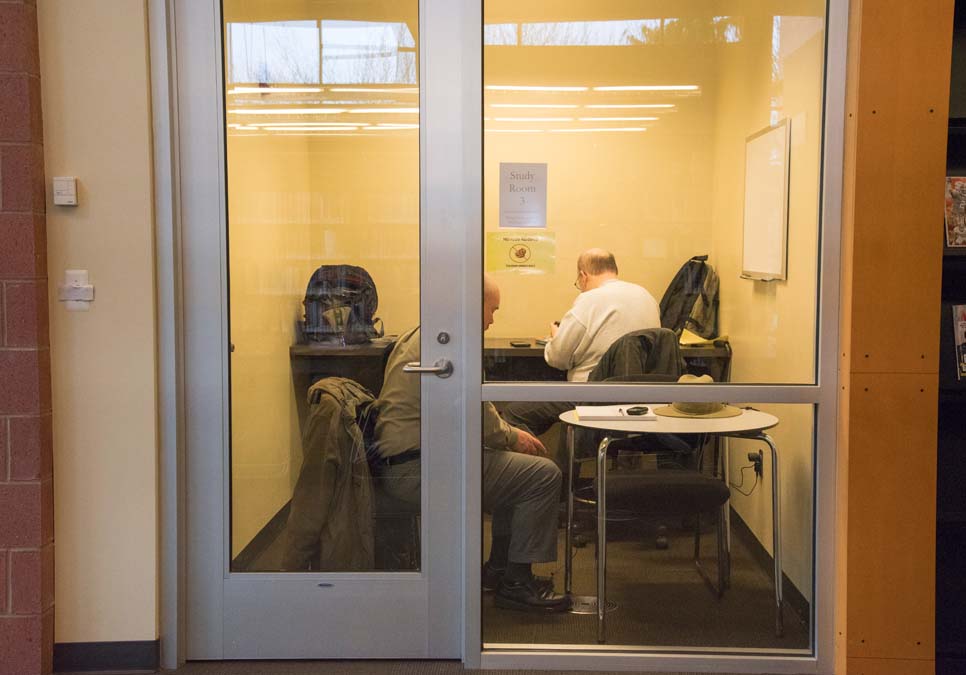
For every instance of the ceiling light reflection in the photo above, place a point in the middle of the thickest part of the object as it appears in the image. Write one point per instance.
(533, 105)
(287, 111)
(599, 129)
(377, 90)
(321, 129)
(617, 119)
(274, 90)
(383, 111)
(514, 87)
(631, 105)
(651, 87)
(321, 125)
(533, 119)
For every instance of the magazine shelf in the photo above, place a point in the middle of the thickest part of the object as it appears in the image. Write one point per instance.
(951, 446)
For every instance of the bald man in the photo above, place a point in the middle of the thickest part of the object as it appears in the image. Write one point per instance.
(606, 309)
(520, 485)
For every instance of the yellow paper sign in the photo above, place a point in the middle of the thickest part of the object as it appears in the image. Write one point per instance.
(522, 252)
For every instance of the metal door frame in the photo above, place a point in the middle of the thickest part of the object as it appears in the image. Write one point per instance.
(190, 196)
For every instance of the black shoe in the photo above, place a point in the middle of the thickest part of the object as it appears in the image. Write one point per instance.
(531, 595)
(492, 577)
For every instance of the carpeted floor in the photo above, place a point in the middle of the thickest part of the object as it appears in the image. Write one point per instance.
(661, 599)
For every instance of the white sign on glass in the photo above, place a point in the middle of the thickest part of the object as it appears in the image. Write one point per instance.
(523, 195)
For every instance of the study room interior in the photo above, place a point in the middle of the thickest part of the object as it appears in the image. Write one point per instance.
(645, 123)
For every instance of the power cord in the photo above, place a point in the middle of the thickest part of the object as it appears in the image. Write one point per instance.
(739, 485)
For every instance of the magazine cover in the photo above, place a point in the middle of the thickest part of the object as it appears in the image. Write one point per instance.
(955, 211)
(959, 336)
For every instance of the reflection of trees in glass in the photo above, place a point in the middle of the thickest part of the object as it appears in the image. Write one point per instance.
(726, 29)
(367, 52)
(651, 32)
(351, 52)
(776, 49)
(500, 34)
(617, 33)
(274, 52)
(695, 30)
(590, 33)
(286, 69)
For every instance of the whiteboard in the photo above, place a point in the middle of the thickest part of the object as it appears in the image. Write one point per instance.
(764, 248)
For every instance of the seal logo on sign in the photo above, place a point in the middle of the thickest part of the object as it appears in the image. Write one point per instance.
(520, 253)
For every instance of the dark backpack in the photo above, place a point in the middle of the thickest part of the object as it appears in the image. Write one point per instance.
(340, 304)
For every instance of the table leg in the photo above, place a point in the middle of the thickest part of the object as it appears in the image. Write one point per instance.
(568, 548)
(776, 531)
(602, 540)
(726, 508)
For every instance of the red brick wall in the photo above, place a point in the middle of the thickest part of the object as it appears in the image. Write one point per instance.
(26, 486)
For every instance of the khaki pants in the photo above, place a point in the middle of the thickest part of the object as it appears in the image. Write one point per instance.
(521, 491)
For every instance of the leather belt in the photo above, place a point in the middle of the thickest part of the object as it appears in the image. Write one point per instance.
(401, 458)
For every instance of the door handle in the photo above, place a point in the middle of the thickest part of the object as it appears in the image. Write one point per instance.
(442, 368)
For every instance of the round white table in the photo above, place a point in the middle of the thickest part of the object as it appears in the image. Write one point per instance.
(749, 424)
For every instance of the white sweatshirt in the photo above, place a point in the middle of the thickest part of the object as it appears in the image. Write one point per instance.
(597, 319)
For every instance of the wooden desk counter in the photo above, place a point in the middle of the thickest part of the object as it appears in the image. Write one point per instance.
(502, 362)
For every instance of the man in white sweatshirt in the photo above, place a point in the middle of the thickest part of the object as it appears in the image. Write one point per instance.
(606, 310)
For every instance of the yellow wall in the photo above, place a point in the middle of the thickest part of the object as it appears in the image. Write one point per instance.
(642, 195)
(628, 193)
(771, 325)
(97, 126)
(297, 202)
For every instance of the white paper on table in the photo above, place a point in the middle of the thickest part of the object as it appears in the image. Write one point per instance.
(614, 413)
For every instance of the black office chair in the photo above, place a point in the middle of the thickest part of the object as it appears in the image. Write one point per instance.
(396, 523)
(679, 486)
(668, 492)
(396, 527)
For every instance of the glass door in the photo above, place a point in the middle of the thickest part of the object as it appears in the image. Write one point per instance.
(321, 193)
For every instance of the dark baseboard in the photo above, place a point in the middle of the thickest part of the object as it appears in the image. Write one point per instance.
(87, 656)
(790, 594)
(266, 536)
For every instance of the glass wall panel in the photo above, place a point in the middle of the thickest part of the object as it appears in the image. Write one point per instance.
(322, 141)
(675, 482)
(652, 183)
(683, 138)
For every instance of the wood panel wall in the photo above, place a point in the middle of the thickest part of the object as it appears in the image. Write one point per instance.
(895, 160)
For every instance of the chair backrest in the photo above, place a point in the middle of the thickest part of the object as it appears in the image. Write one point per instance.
(652, 351)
